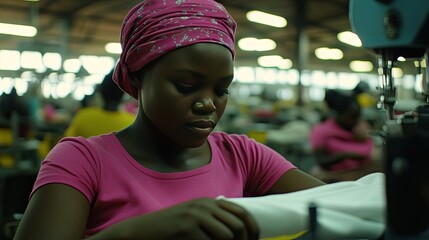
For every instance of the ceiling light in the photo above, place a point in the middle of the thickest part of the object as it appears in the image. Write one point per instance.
(349, 38)
(361, 66)
(397, 73)
(329, 53)
(114, 48)
(274, 61)
(285, 64)
(17, 30)
(6, 85)
(68, 77)
(254, 44)
(266, 19)
(401, 59)
(21, 86)
(10, 60)
(97, 65)
(72, 65)
(421, 63)
(63, 89)
(32, 60)
(244, 74)
(52, 60)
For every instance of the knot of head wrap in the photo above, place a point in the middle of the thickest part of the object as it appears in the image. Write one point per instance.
(155, 27)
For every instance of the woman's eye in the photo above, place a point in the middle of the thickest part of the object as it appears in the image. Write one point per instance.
(185, 88)
(221, 92)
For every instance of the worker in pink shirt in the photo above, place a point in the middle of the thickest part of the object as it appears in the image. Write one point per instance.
(342, 146)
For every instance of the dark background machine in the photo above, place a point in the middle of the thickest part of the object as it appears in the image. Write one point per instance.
(395, 30)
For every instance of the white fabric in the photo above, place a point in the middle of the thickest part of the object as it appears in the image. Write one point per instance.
(345, 210)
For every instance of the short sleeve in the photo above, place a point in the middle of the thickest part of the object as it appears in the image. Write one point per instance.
(70, 162)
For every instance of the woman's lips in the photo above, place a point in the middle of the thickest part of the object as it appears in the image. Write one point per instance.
(201, 126)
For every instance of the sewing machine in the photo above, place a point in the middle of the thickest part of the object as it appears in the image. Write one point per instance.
(394, 29)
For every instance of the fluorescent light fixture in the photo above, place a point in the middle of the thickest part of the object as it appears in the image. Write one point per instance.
(78, 94)
(53, 77)
(347, 80)
(266, 19)
(114, 48)
(274, 61)
(349, 38)
(32, 60)
(245, 74)
(10, 60)
(96, 64)
(401, 59)
(397, 73)
(92, 80)
(361, 66)
(254, 44)
(46, 88)
(72, 65)
(285, 64)
(421, 63)
(21, 86)
(6, 85)
(329, 53)
(28, 76)
(63, 89)
(68, 77)
(52, 60)
(17, 30)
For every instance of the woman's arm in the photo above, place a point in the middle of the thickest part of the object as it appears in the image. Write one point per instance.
(199, 219)
(325, 160)
(294, 180)
(57, 211)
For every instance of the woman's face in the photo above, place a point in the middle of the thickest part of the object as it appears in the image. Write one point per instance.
(185, 93)
(350, 117)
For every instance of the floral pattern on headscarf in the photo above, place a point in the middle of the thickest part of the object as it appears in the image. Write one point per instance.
(155, 27)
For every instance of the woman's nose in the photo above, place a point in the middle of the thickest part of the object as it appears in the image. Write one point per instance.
(205, 105)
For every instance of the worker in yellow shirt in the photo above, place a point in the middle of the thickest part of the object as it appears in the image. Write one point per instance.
(96, 120)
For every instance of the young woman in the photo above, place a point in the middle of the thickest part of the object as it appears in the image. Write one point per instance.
(159, 178)
(343, 148)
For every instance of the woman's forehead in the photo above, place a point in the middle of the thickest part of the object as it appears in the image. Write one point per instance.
(199, 57)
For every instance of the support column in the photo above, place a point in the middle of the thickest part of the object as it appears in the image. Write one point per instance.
(302, 45)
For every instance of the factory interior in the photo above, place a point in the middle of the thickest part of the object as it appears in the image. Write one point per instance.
(55, 54)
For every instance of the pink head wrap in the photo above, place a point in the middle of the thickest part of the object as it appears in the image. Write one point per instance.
(155, 27)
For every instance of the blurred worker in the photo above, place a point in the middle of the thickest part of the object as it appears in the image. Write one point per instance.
(368, 103)
(15, 124)
(96, 120)
(343, 148)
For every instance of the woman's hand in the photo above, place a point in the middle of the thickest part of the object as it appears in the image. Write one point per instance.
(198, 219)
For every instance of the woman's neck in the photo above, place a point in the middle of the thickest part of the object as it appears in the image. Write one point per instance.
(147, 145)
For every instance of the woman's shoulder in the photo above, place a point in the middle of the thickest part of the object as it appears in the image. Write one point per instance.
(84, 151)
(99, 141)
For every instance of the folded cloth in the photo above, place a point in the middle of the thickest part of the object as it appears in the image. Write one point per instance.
(345, 210)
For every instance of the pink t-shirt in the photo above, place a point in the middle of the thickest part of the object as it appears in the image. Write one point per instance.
(334, 139)
(118, 187)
